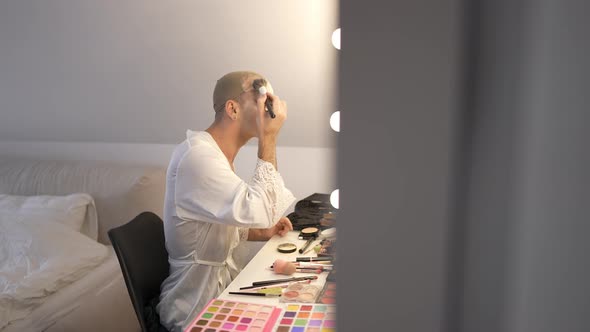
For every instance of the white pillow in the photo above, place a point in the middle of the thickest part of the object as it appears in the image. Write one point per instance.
(76, 211)
(38, 259)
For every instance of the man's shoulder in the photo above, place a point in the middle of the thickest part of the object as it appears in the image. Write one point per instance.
(195, 151)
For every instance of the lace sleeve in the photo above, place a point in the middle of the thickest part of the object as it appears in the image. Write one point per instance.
(243, 231)
(272, 182)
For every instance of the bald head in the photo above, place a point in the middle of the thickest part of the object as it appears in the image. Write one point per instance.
(230, 86)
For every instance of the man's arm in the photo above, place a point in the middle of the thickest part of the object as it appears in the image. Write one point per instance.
(282, 227)
(267, 150)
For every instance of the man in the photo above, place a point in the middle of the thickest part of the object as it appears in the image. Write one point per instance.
(208, 209)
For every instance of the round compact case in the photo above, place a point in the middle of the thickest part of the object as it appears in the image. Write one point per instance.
(286, 248)
(309, 232)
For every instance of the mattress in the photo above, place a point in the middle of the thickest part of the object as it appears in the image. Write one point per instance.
(80, 305)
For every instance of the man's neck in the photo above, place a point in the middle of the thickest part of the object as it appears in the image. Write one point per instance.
(228, 139)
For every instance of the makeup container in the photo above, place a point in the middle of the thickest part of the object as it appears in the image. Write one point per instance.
(327, 248)
(309, 232)
(286, 248)
(297, 292)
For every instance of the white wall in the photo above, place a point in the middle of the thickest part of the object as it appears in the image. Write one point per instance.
(140, 71)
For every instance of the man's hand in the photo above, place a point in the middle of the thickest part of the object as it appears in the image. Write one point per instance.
(282, 227)
(267, 126)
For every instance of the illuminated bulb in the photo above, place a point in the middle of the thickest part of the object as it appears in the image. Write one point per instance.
(335, 121)
(336, 38)
(334, 198)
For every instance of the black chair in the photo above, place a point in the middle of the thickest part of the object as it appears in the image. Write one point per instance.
(141, 250)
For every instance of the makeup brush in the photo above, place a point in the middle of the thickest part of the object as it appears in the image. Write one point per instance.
(283, 267)
(255, 294)
(278, 281)
(310, 265)
(309, 241)
(309, 270)
(253, 288)
(312, 259)
(258, 84)
(280, 285)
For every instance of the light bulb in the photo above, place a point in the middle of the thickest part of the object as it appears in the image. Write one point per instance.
(334, 198)
(336, 38)
(335, 121)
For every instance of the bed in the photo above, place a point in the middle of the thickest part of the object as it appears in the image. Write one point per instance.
(97, 300)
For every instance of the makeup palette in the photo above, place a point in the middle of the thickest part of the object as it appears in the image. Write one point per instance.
(298, 292)
(229, 316)
(328, 294)
(307, 318)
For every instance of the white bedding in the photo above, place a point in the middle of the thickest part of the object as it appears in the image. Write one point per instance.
(96, 302)
(99, 301)
(77, 211)
(37, 259)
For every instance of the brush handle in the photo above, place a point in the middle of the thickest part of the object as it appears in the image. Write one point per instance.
(312, 259)
(309, 241)
(278, 281)
(254, 294)
(268, 104)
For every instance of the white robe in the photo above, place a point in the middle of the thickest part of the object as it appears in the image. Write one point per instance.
(207, 211)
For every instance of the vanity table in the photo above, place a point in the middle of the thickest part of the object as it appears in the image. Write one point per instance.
(241, 313)
(259, 269)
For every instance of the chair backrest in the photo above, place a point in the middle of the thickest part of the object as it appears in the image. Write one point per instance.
(140, 248)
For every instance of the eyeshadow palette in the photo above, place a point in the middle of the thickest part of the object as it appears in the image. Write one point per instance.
(300, 292)
(229, 316)
(308, 318)
(328, 294)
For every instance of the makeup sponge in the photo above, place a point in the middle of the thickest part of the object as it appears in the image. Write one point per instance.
(283, 267)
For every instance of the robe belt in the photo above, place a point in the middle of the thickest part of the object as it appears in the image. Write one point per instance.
(191, 259)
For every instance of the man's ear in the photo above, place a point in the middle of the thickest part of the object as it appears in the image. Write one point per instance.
(231, 109)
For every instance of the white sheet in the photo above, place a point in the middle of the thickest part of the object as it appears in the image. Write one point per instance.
(77, 210)
(101, 293)
(38, 259)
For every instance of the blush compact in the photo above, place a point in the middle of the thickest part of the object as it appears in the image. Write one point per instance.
(309, 232)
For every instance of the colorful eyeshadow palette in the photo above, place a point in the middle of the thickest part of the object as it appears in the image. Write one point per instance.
(229, 316)
(308, 317)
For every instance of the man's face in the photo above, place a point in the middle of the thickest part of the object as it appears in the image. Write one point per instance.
(248, 106)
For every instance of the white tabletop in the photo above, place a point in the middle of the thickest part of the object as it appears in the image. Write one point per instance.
(259, 269)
